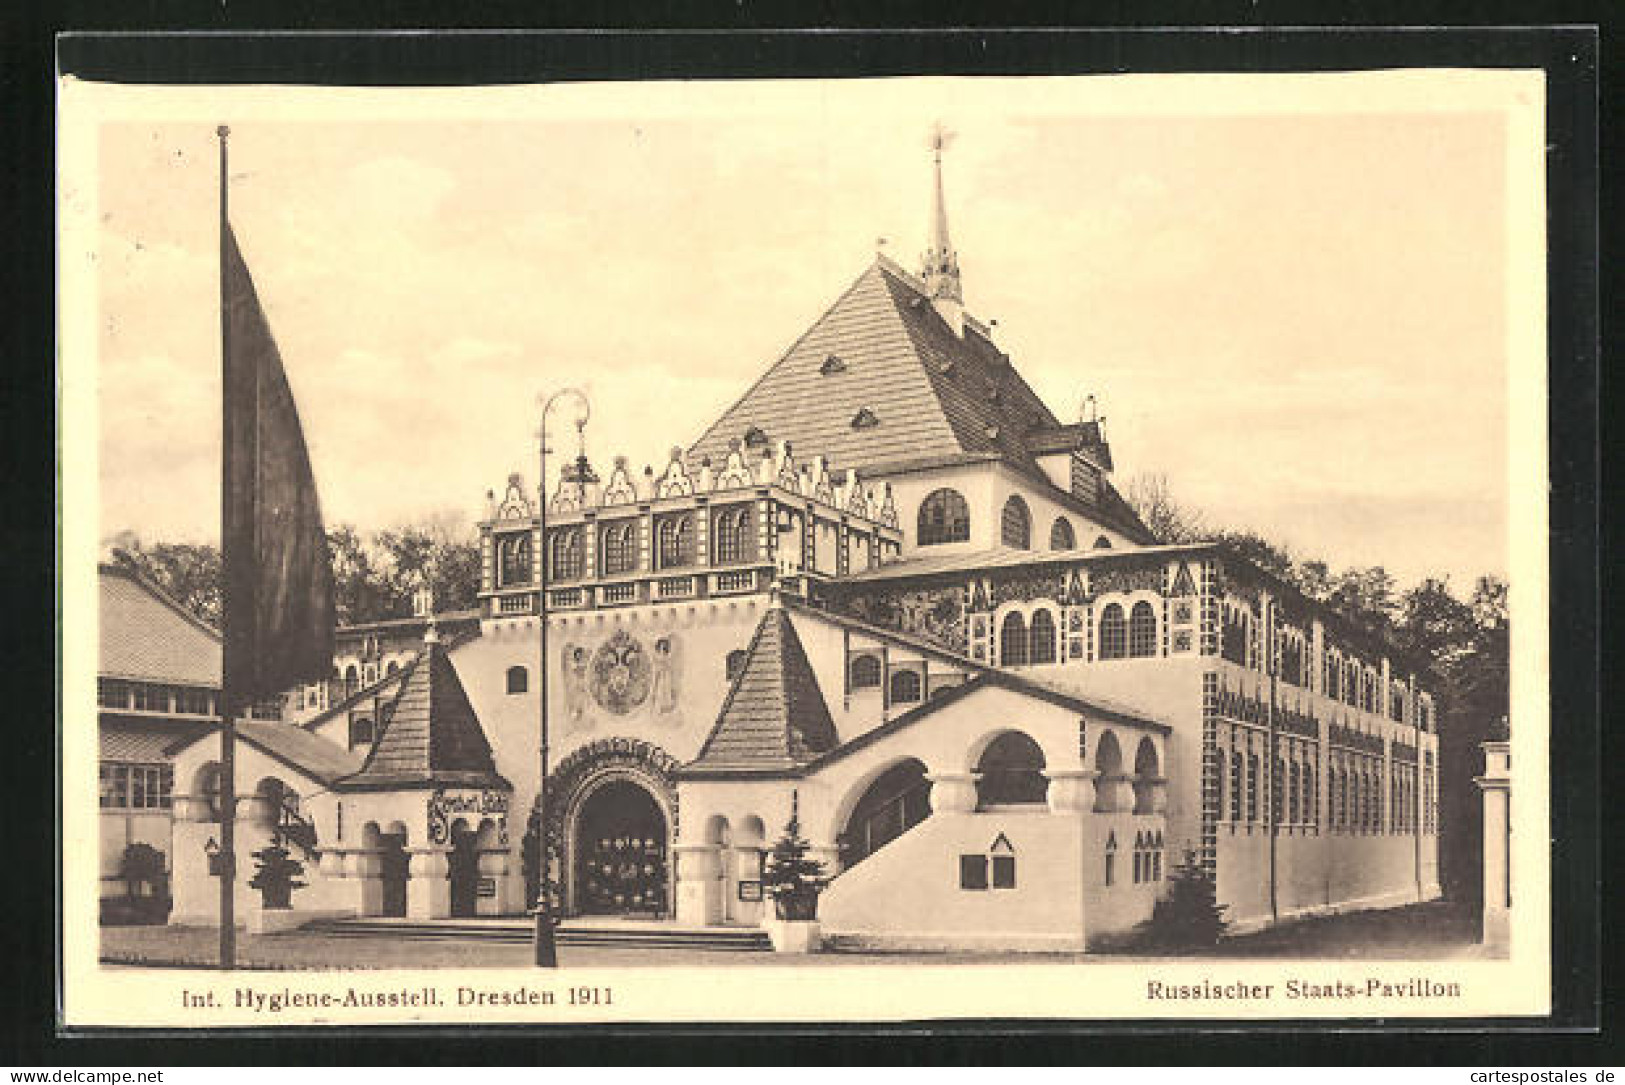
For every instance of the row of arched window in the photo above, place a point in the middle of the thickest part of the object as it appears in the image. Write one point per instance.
(675, 546)
(944, 517)
(1295, 797)
(1131, 637)
(905, 686)
(1022, 645)
(1147, 857)
(1355, 797)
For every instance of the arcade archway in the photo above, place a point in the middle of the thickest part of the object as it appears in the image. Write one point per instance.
(619, 843)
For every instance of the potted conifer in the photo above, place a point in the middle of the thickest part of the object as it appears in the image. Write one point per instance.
(793, 880)
(276, 877)
(1189, 918)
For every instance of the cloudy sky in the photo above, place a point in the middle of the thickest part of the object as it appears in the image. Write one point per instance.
(1298, 318)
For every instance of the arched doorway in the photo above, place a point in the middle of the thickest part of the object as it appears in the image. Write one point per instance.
(619, 840)
(394, 868)
(463, 869)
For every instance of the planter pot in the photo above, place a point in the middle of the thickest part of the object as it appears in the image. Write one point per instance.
(795, 935)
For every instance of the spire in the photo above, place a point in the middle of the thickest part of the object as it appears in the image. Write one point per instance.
(941, 264)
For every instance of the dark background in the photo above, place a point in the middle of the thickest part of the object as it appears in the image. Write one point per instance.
(1573, 58)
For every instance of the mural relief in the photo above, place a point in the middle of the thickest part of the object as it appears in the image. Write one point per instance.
(1026, 585)
(574, 660)
(938, 614)
(621, 673)
(667, 668)
(1117, 578)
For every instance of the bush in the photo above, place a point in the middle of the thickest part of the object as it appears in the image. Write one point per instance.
(791, 878)
(1189, 916)
(276, 876)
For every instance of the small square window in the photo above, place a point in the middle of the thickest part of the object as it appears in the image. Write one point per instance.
(973, 872)
(1004, 872)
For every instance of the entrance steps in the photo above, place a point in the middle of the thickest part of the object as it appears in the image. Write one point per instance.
(518, 930)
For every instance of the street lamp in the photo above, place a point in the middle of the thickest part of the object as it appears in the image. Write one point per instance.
(546, 945)
(211, 852)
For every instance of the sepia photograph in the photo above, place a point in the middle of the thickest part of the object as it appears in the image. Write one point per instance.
(1037, 547)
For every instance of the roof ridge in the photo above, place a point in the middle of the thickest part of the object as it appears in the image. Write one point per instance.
(134, 574)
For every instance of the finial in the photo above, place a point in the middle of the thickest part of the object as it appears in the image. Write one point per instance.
(224, 132)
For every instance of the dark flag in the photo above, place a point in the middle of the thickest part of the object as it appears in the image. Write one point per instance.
(277, 603)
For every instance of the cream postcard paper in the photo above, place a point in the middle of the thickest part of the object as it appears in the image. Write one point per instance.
(879, 412)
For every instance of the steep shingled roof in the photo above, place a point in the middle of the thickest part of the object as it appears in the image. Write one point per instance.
(937, 395)
(147, 636)
(432, 736)
(774, 717)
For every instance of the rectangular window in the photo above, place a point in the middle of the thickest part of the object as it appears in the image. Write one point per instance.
(973, 872)
(151, 698)
(111, 693)
(114, 779)
(1004, 872)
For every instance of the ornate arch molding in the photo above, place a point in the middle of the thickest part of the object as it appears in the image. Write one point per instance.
(577, 776)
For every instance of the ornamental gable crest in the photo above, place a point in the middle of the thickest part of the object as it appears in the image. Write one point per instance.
(515, 505)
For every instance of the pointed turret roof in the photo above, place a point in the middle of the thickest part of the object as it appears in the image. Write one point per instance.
(431, 737)
(774, 718)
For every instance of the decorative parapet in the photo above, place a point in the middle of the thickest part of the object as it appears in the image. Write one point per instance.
(742, 469)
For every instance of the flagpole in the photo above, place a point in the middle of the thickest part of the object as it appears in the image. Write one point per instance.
(228, 700)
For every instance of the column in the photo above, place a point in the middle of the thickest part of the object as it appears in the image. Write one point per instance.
(428, 891)
(493, 867)
(363, 873)
(953, 792)
(1071, 791)
(699, 883)
(1496, 784)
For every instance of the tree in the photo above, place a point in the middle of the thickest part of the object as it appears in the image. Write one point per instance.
(791, 877)
(359, 591)
(189, 573)
(276, 876)
(1189, 916)
(1154, 503)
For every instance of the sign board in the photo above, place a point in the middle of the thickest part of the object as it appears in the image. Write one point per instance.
(750, 891)
(487, 887)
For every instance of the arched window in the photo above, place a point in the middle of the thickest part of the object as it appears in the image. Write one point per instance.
(1252, 787)
(513, 559)
(905, 687)
(352, 679)
(1041, 638)
(1294, 797)
(1113, 633)
(944, 518)
(1142, 631)
(896, 802)
(1102, 543)
(731, 535)
(866, 672)
(620, 547)
(361, 732)
(1061, 536)
(1237, 786)
(391, 668)
(676, 542)
(518, 680)
(1012, 772)
(1311, 795)
(1110, 874)
(564, 554)
(734, 664)
(1013, 641)
(1016, 524)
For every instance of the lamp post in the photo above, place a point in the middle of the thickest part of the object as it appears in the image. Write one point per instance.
(546, 947)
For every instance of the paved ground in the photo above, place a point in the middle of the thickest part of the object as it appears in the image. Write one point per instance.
(1427, 931)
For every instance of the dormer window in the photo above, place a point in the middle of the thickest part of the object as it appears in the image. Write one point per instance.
(833, 363)
(755, 438)
(865, 419)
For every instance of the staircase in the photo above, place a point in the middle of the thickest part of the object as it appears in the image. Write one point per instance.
(573, 932)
